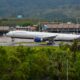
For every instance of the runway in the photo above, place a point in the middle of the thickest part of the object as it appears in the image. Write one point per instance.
(6, 41)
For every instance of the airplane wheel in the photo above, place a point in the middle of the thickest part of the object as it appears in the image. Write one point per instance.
(12, 39)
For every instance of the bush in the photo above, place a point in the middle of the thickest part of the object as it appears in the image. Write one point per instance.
(38, 63)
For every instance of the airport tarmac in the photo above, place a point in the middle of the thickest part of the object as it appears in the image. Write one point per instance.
(6, 41)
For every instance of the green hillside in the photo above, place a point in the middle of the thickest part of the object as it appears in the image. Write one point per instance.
(40, 9)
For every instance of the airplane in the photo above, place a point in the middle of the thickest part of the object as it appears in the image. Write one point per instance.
(42, 36)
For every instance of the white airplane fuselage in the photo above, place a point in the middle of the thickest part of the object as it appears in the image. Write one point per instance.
(33, 35)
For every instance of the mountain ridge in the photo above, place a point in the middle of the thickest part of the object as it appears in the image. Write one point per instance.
(44, 9)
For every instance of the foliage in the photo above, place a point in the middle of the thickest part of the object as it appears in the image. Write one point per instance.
(39, 63)
(14, 22)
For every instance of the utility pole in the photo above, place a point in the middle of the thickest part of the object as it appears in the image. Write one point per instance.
(77, 25)
(67, 70)
(39, 25)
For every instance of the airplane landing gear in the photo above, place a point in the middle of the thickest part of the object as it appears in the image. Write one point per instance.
(51, 42)
(12, 39)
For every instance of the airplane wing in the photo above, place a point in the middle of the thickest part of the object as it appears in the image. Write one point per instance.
(49, 37)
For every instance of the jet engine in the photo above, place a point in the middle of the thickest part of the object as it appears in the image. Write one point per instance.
(37, 39)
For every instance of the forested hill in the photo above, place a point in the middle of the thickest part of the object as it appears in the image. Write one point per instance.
(46, 9)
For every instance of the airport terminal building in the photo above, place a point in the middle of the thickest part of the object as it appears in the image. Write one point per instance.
(4, 30)
(51, 27)
(63, 27)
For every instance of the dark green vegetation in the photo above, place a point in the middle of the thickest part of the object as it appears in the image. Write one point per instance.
(15, 22)
(40, 63)
(64, 10)
(29, 22)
